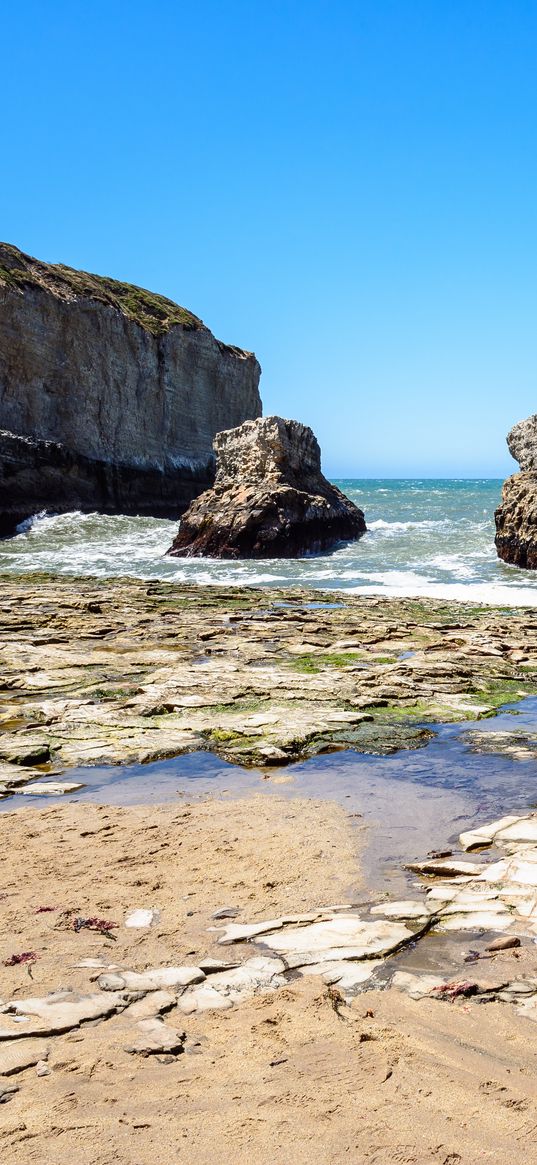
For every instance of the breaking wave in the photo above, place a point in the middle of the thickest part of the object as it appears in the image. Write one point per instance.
(425, 538)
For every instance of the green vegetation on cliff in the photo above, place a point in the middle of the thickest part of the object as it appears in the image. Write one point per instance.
(153, 312)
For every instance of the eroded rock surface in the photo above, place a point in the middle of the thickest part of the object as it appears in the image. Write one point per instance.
(516, 517)
(269, 500)
(110, 395)
(122, 671)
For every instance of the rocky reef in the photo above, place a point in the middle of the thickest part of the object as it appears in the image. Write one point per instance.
(269, 500)
(516, 517)
(110, 395)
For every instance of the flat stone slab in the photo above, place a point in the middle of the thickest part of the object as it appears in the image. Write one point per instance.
(484, 835)
(345, 937)
(142, 917)
(17, 1055)
(348, 976)
(445, 868)
(234, 986)
(155, 1037)
(50, 788)
(402, 910)
(237, 932)
(63, 1010)
(152, 980)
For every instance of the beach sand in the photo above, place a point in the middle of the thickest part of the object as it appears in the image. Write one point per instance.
(280, 1078)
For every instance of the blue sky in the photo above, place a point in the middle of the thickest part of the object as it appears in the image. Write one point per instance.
(347, 188)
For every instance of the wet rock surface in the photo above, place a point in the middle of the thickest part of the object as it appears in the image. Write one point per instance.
(269, 499)
(127, 671)
(516, 517)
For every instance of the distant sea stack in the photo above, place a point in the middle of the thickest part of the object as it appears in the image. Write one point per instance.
(110, 396)
(269, 500)
(516, 517)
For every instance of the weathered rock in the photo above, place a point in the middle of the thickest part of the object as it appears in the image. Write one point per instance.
(154, 1037)
(504, 944)
(269, 500)
(143, 917)
(522, 443)
(110, 395)
(16, 1055)
(516, 517)
(152, 980)
(62, 1010)
(344, 937)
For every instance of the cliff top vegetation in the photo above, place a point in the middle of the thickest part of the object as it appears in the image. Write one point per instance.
(153, 312)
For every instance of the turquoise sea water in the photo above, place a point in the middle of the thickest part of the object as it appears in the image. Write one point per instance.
(425, 537)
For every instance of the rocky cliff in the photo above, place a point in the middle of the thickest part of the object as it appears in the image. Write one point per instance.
(110, 395)
(516, 517)
(269, 500)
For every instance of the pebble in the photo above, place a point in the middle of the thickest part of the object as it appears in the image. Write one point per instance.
(142, 918)
(504, 943)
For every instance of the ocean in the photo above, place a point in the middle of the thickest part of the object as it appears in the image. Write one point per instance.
(425, 538)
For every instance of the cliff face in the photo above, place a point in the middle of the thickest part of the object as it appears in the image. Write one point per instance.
(516, 517)
(110, 396)
(269, 500)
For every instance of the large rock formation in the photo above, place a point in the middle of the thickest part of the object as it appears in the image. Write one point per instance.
(516, 517)
(270, 499)
(110, 395)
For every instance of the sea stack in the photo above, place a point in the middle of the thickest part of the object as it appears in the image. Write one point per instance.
(516, 517)
(110, 395)
(269, 500)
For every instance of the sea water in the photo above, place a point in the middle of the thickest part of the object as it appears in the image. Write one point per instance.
(425, 537)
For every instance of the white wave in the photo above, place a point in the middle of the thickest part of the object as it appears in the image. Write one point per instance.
(488, 594)
(397, 527)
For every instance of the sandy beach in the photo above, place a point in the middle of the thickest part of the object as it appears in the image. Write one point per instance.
(281, 1077)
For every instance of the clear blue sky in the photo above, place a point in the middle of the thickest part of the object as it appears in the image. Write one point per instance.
(347, 187)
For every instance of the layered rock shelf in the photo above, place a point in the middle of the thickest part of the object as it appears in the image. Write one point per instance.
(269, 500)
(110, 395)
(102, 672)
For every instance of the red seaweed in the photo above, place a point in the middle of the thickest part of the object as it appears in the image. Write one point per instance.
(24, 957)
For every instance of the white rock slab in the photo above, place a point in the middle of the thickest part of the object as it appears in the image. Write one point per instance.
(520, 869)
(522, 831)
(151, 1005)
(236, 932)
(152, 980)
(143, 917)
(211, 966)
(445, 868)
(63, 1010)
(343, 937)
(416, 986)
(348, 976)
(234, 986)
(154, 1037)
(50, 788)
(16, 1055)
(203, 998)
(402, 910)
(477, 906)
(484, 834)
(476, 920)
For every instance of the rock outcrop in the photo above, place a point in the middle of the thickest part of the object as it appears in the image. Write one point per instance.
(269, 500)
(110, 395)
(516, 517)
